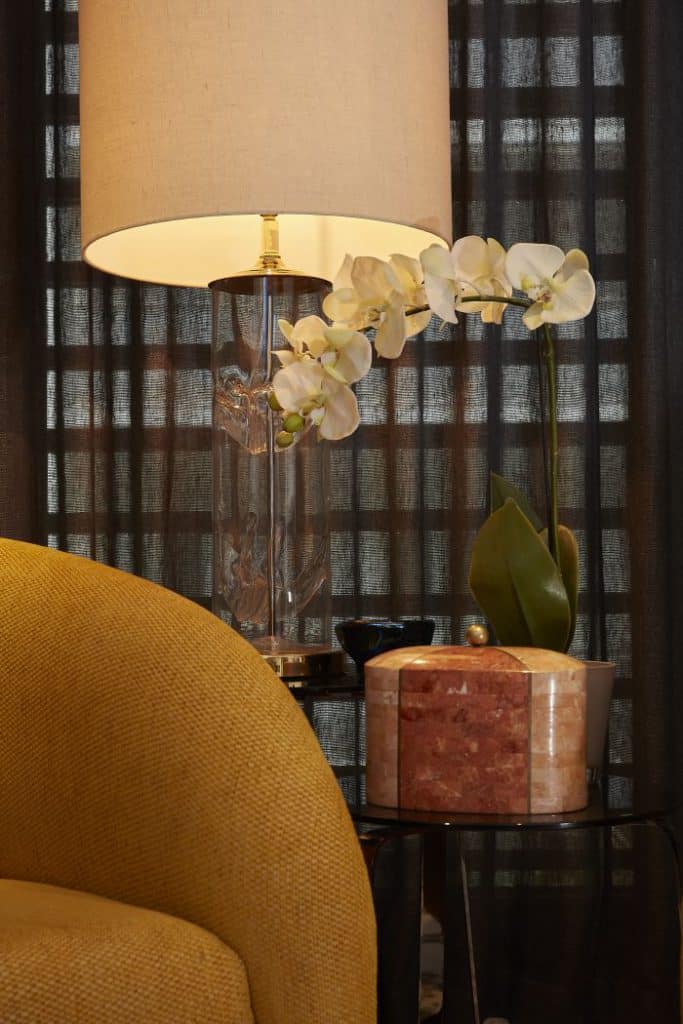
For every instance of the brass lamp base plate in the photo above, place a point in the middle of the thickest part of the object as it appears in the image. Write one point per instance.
(290, 660)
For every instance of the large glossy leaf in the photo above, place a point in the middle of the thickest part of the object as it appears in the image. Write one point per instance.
(569, 567)
(517, 584)
(501, 490)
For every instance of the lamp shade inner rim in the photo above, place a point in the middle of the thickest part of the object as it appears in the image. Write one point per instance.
(196, 250)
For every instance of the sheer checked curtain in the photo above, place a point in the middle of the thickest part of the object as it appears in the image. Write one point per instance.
(566, 128)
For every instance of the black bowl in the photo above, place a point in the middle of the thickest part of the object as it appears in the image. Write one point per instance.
(362, 639)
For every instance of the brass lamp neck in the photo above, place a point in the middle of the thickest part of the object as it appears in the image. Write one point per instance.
(270, 259)
(269, 263)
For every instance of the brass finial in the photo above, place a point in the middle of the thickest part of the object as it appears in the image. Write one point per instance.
(477, 635)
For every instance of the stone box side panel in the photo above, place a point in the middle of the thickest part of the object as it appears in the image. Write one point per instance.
(558, 741)
(381, 719)
(464, 740)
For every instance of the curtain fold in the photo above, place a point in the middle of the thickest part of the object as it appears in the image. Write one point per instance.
(22, 491)
(566, 127)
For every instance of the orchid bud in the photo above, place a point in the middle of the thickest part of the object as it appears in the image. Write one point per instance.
(293, 423)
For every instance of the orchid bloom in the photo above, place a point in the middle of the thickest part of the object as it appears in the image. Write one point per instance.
(301, 335)
(304, 387)
(314, 378)
(474, 266)
(341, 415)
(560, 286)
(440, 284)
(343, 305)
(369, 292)
(344, 354)
(347, 356)
(410, 274)
(479, 268)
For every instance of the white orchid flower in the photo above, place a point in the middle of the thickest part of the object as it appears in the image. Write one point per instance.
(305, 387)
(304, 334)
(479, 268)
(439, 282)
(369, 292)
(341, 416)
(379, 290)
(348, 355)
(298, 386)
(344, 354)
(344, 305)
(560, 286)
(411, 277)
(474, 266)
(315, 374)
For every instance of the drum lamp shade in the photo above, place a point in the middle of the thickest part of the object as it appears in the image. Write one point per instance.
(196, 118)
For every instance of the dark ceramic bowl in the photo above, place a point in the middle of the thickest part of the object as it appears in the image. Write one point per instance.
(362, 639)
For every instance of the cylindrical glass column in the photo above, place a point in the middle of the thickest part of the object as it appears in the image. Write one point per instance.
(271, 512)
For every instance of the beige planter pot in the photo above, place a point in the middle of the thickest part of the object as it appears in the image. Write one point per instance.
(599, 686)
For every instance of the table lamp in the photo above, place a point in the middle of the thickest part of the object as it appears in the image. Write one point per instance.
(248, 147)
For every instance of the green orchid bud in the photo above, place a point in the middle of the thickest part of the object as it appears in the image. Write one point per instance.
(273, 402)
(293, 423)
(284, 439)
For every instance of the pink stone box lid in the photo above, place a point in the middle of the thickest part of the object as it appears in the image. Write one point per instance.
(500, 659)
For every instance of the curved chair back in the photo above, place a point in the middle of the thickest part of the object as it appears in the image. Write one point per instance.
(147, 754)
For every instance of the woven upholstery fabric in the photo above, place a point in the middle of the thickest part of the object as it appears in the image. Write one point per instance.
(148, 755)
(72, 957)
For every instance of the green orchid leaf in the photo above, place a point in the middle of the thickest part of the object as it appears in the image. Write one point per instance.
(569, 567)
(516, 583)
(501, 490)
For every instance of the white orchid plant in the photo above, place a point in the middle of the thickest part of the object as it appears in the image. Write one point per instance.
(523, 575)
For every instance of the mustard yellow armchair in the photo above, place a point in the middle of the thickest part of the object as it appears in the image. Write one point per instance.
(173, 845)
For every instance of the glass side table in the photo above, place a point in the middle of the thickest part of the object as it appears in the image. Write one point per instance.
(429, 847)
(403, 849)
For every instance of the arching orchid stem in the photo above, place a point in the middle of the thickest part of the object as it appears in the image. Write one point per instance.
(543, 424)
(551, 373)
(550, 460)
(506, 300)
(550, 464)
(509, 301)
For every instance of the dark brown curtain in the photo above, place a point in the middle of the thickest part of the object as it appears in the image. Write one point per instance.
(566, 127)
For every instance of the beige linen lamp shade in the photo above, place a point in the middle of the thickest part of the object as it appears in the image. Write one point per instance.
(198, 117)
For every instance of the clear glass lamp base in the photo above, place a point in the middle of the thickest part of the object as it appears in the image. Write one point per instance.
(271, 512)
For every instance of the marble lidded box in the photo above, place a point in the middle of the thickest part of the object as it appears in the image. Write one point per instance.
(499, 730)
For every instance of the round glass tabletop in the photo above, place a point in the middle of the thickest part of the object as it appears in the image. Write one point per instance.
(604, 808)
